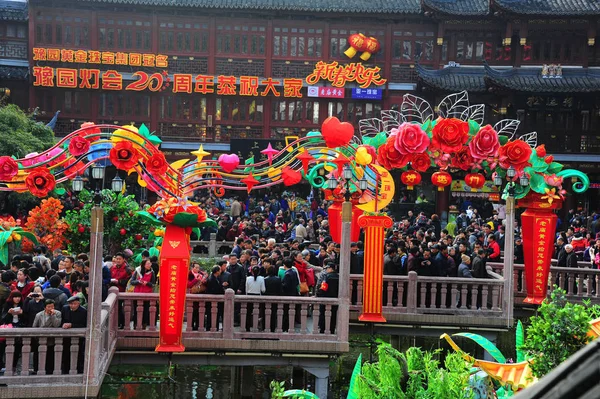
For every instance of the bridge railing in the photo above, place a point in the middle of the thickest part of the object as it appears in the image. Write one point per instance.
(242, 321)
(421, 295)
(580, 283)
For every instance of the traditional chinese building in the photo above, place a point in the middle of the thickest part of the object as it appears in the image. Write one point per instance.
(212, 71)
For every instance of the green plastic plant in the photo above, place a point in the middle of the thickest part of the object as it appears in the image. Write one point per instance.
(557, 332)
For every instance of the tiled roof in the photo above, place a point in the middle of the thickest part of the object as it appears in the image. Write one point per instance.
(355, 6)
(454, 79)
(577, 80)
(550, 7)
(13, 11)
(14, 73)
(459, 7)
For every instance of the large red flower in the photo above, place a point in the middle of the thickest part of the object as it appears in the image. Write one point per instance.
(157, 164)
(123, 155)
(40, 182)
(516, 154)
(91, 132)
(449, 135)
(485, 144)
(410, 139)
(420, 162)
(8, 168)
(389, 157)
(78, 146)
(463, 159)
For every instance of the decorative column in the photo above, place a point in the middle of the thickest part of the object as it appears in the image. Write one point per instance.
(94, 309)
(174, 261)
(373, 276)
(343, 321)
(509, 260)
(538, 227)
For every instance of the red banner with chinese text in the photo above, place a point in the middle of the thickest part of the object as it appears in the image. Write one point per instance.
(174, 266)
(538, 228)
(375, 227)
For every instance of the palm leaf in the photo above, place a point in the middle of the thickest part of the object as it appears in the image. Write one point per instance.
(485, 344)
(4, 236)
(4, 255)
(519, 341)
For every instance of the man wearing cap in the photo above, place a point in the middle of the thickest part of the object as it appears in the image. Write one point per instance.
(73, 316)
(519, 255)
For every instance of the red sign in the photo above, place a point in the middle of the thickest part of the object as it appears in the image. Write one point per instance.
(174, 263)
(375, 227)
(99, 57)
(339, 75)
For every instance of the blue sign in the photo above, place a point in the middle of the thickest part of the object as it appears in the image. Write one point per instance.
(367, 94)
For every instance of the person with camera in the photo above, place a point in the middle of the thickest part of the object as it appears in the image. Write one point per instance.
(34, 304)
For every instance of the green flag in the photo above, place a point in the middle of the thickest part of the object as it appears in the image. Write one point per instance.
(353, 388)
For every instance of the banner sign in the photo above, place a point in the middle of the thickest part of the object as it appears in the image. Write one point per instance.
(460, 186)
(339, 75)
(174, 268)
(100, 57)
(367, 94)
(325, 92)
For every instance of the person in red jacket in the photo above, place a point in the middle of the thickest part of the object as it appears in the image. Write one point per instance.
(23, 284)
(120, 272)
(493, 249)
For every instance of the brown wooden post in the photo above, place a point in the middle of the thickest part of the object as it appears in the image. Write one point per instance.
(93, 337)
(344, 290)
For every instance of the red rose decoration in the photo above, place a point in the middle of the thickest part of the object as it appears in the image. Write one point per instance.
(157, 164)
(91, 132)
(389, 157)
(8, 168)
(516, 154)
(540, 151)
(123, 155)
(73, 168)
(420, 162)
(410, 139)
(463, 159)
(78, 146)
(485, 144)
(449, 135)
(40, 182)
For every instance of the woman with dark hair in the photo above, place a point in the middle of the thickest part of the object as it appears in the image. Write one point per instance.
(13, 312)
(255, 285)
(437, 225)
(23, 284)
(143, 280)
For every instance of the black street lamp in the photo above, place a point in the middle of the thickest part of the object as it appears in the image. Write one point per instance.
(98, 173)
(346, 178)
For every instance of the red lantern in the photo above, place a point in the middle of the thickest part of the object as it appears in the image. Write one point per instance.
(358, 42)
(441, 180)
(475, 181)
(373, 46)
(410, 178)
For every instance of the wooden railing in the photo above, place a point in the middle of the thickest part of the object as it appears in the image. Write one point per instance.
(241, 322)
(414, 298)
(55, 360)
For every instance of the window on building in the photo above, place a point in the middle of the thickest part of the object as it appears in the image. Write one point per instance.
(239, 109)
(120, 105)
(124, 34)
(241, 39)
(566, 48)
(297, 42)
(475, 47)
(338, 42)
(413, 45)
(72, 102)
(183, 37)
(296, 112)
(183, 108)
(353, 112)
(68, 31)
(13, 31)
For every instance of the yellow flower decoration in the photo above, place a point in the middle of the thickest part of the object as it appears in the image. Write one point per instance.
(550, 195)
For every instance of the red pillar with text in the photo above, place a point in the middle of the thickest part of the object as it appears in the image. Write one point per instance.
(174, 264)
(538, 229)
(375, 227)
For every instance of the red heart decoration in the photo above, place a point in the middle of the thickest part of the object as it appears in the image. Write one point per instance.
(336, 133)
(290, 176)
(229, 162)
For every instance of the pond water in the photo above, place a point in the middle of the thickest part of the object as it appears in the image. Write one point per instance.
(210, 382)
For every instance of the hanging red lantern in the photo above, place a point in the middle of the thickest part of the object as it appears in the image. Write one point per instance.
(475, 181)
(357, 42)
(441, 180)
(410, 178)
(373, 46)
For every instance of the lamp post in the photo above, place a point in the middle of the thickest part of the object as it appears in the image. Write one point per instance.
(509, 239)
(94, 309)
(344, 272)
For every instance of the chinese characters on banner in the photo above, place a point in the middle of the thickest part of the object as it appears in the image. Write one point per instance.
(325, 92)
(100, 57)
(339, 75)
(538, 229)
(174, 261)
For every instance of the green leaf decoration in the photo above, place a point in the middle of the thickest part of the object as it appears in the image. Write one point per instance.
(503, 139)
(426, 126)
(555, 167)
(148, 217)
(143, 131)
(4, 255)
(185, 219)
(519, 341)
(154, 252)
(155, 140)
(29, 235)
(485, 344)
(473, 127)
(4, 236)
(375, 141)
(196, 231)
(208, 223)
(353, 388)
(537, 183)
(538, 164)
(299, 394)
(249, 161)
(60, 191)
